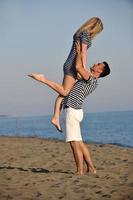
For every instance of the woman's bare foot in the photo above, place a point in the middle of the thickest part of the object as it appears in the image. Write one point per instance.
(56, 123)
(38, 77)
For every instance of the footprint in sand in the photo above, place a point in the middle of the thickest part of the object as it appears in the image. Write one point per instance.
(107, 195)
(98, 192)
(38, 194)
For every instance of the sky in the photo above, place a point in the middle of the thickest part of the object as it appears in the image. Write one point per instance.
(36, 36)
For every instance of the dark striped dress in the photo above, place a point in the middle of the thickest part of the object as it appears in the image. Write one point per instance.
(69, 66)
(79, 92)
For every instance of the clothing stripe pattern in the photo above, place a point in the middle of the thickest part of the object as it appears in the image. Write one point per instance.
(69, 66)
(79, 92)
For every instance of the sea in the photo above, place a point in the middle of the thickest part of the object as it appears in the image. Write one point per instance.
(97, 127)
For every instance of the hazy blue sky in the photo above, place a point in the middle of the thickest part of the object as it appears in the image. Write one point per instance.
(36, 36)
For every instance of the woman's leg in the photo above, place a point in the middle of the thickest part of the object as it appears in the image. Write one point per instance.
(87, 158)
(68, 83)
(68, 80)
(57, 111)
(63, 89)
(78, 156)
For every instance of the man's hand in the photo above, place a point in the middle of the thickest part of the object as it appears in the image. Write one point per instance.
(79, 77)
(78, 47)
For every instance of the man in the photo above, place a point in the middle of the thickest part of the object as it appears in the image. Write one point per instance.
(73, 107)
(74, 113)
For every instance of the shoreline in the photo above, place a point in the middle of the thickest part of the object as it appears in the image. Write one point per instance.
(38, 169)
(61, 140)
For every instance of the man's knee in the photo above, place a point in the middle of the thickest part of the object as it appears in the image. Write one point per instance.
(74, 143)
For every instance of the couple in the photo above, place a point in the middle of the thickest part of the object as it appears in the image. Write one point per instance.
(78, 83)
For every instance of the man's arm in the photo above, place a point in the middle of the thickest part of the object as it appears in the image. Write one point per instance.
(83, 52)
(85, 74)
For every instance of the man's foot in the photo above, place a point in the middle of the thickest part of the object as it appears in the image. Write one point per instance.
(38, 77)
(92, 170)
(80, 173)
(56, 124)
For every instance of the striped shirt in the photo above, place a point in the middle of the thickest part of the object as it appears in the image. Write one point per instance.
(69, 65)
(79, 92)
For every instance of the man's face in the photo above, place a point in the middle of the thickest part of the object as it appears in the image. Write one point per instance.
(98, 68)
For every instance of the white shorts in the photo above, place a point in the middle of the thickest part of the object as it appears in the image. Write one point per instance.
(73, 118)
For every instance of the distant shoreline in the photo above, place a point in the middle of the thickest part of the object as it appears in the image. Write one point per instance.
(4, 115)
(47, 115)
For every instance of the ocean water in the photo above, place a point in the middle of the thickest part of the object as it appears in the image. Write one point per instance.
(103, 127)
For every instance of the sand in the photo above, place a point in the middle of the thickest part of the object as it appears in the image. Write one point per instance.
(41, 169)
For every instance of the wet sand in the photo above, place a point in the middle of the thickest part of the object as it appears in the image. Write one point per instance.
(41, 169)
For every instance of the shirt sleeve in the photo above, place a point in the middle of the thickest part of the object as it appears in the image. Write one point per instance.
(85, 38)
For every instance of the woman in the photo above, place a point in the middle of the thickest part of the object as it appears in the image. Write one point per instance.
(85, 34)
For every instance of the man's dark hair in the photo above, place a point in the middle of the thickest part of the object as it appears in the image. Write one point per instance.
(106, 70)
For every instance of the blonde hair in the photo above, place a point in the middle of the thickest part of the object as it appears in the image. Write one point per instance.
(93, 25)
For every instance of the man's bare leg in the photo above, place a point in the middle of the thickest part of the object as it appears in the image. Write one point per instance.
(78, 156)
(87, 158)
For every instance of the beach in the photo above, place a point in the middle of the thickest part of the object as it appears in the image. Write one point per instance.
(43, 169)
